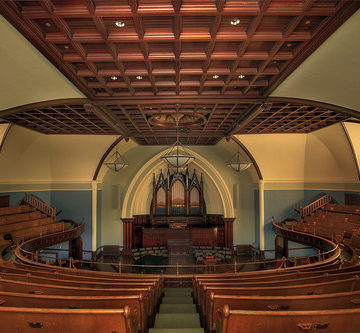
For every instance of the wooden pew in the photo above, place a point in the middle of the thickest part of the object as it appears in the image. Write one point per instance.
(21, 217)
(85, 284)
(336, 286)
(10, 228)
(48, 289)
(14, 319)
(20, 235)
(280, 303)
(16, 210)
(278, 275)
(340, 320)
(66, 278)
(275, 281)
(135, 302)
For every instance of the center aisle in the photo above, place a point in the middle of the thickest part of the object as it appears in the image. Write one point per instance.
(177, 313)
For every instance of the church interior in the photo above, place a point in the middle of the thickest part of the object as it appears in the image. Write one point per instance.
(179, 166)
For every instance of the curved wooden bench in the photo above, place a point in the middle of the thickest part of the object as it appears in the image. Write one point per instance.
(280, 303)
(135, 302)
(345, 285)
(340, 320)
(14, 319)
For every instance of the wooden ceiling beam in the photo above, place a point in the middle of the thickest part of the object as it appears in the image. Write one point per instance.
(103, 113)
(252, 113)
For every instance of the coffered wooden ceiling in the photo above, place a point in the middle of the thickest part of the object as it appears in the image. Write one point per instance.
(135, 59)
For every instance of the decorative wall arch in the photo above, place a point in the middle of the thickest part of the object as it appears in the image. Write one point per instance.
(133, 196)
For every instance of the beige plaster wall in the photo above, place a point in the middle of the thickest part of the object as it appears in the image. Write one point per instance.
(323, 156)
(26, 75)
(353, 130)
(28, 156)
(332, 73)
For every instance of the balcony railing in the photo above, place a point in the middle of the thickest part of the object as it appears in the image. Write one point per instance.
(39, 205)
(307, 210)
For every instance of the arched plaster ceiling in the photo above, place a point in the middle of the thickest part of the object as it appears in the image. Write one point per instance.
(26, 75)
(332, 73)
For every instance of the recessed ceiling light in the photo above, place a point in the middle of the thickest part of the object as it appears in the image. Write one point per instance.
(307, 22)
(48, 24)
(288, 44)
(241, 76)
(235, 21)
(66, 46)
(113, 77)
(215, 76)
(139, 77)
(120, 23)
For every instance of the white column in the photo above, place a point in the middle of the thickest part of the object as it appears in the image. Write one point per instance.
(94, 214)
(261, 215)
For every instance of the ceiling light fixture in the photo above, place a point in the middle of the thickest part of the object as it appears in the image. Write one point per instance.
(241, 76)
(120, 23)
(236, 164)
(215, 76)
(235, 21)
(116, 162)
(177, 157)
(114, 77)
(288, 44)
(307, 22)
(66, 46)
(139, 77)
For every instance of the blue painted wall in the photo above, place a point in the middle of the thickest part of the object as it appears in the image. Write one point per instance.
(282, 204)
(74, 205)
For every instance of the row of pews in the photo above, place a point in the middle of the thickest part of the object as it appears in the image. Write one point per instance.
(20, 223)
(75, 300)
(313, 298)
(309, 299)
(334, 221)
(55, 299)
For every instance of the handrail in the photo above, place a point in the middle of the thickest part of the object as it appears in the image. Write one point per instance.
(39, 205)
(26, 250)
(321, 202)
(332, 250)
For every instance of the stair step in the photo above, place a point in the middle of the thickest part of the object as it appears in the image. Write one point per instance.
(177, 308)
(177, 300)
(177, 320)
(178, 292)
(176, 330)
(178, 289)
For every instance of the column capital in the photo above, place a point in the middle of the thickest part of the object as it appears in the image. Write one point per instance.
(228, 219)
(127, 219)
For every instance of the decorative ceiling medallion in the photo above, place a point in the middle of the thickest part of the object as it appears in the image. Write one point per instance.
(182, 120)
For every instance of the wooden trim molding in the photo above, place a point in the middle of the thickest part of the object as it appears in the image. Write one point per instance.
(4, 136)
(247, 152)
(317, 104)
(53, 102)
(108, 151)
(352, 149)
